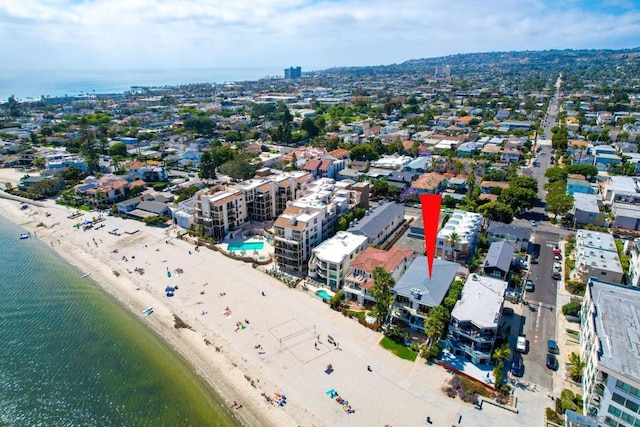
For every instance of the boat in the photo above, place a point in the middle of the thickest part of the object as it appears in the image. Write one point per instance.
(24, 236)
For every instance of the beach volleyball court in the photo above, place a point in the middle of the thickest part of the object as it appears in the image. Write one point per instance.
(301, 341)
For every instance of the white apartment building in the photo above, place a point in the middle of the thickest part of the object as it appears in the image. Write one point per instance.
(597, 256)
(610, 340)
(308, 221)
(330, 261)
(466, 226)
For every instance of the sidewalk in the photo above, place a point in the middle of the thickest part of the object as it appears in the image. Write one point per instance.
(566, 343)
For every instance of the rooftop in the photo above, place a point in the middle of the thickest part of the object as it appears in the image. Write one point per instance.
(481, 301)
(336, 248)
(617, 326)
(416, 283)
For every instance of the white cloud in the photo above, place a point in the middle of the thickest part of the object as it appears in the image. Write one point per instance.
(314, 34)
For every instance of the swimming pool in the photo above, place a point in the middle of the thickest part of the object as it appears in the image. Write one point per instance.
(323, 294)
(245, 246)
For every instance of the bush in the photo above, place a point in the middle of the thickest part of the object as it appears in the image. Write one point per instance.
(572, 309)
(335, 300)
(572, 332)
(576, 287)
(554, 417)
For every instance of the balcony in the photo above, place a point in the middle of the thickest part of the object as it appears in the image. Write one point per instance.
(473, 334)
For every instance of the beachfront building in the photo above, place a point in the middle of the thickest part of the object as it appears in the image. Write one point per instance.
(219, 211)
(395, 261)
(632, 249)
(182, 214)
(63, 159)
(416, 293)
(475, 318)
(597, 256)
(102, 191)
(609, 336)
(308, 221)
(330, 261)
(457, 240)
(379, 223)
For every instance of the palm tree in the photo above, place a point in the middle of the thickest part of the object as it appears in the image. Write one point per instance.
(453, 240)
(577, 367)
(502, 353)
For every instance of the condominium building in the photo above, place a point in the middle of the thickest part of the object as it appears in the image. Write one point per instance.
(220, 211)
(475, 319)
(457, 240)
(597, 256)
(395, 261)
(330, 261)
(308, 221)
(609, 337)
(632, 248)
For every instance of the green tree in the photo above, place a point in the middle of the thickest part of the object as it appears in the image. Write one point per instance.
(559, 203)
(13, 107)
(363, 152)
(454, 240)
(522, 181)
(589, 171)
(497, 211)
(207, 166)
(221, 155)
(310, 126)
(518, 199)
(577, 367)
(118, 149)
(204, 126)
(242, 167)
(381, 292)
(560, 139)
(87, 145)
(435, 324)
(556, 174)
(502, 353)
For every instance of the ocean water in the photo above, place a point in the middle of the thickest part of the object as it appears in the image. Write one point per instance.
(34, 84)
(71, 356)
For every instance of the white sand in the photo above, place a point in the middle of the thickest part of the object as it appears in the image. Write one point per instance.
(396, 392)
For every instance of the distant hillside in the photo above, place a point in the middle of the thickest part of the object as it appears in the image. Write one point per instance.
(544, 62)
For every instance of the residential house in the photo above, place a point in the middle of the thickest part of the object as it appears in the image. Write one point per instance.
(330, 260)
(380, 223)
(313, 167)
(417, 292)
(586, 209)
(183, 214)
(597, 256)
(577, 183)
(498, 260)
(457, 240)
(627, 216)
(62, 160)
(622, 189)
(29, 180)
(609, 335)
(510, 155)
(430, 183)
(146, 171)
(493, 187)
(102, 191)
(395, 261)
(475, 319)
(467, 149)
(519, 236)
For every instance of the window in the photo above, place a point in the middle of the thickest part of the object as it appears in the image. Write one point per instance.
(632, 405)
(614, 411)
(618, 399)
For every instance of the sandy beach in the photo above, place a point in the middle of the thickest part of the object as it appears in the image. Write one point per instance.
(251, 337)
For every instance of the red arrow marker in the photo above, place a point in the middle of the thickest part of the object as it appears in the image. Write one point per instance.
(430, 220)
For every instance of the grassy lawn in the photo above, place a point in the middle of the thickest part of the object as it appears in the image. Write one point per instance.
(358, 314)
(398, 349)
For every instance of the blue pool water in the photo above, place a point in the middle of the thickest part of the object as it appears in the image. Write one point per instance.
(245, 246)
(323, 294)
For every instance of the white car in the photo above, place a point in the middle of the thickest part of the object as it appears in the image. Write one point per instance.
(521, 344)
(557, 266)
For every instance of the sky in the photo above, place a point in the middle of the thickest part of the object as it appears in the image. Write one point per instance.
(314, 34)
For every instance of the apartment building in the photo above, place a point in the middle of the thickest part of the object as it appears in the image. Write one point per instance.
(330, 261)
(220, 211)
(475, 319)
(308, 221)
(457, 240)
(597, 256)
(360, 278)
(609, 337)
(632, 249)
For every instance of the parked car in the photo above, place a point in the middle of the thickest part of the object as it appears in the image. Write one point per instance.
(552, 347)
(517, 365)
(556, 275)
(521, 344)
(529, 286)
(556, 250)
(557, 257)
(507, 311)
(552, 362)
(557, 266)
(533, 223)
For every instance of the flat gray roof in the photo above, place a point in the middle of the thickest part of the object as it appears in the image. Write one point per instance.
(431, 291)
(617, 324)
(481, 301)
